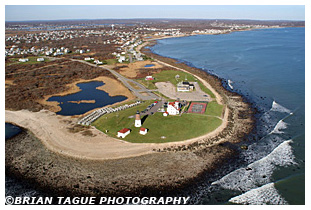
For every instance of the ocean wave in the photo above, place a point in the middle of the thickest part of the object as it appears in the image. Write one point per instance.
(230, 84)
(279, 108)
(266, 194)
(259, 172)
(268, 122)
(281, 125)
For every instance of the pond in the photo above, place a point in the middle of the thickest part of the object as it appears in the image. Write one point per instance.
(87, 99)
(11, 130)
(149, 65)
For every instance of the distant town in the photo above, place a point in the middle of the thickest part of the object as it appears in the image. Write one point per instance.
(117, 38)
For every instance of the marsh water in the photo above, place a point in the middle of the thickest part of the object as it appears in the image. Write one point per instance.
(88, 92)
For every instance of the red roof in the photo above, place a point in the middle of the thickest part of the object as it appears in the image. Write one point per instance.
(124, 130)
(171, 103)
(142, 129)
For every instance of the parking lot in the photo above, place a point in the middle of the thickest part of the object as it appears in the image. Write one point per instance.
(152, 108)
(169, 90)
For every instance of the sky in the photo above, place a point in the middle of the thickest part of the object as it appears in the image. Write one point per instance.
(61, 12)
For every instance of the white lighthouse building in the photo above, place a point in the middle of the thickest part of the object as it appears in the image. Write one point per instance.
(137, 119)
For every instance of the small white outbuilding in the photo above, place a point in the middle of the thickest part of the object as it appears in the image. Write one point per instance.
(143, 131)
(123, 132)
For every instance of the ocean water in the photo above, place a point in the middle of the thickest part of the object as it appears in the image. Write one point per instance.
(267, 67)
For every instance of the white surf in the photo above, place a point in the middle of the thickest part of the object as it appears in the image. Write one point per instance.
(230, 84)
(279, 127)
(279, 108)
(266, 194)
(259, 172)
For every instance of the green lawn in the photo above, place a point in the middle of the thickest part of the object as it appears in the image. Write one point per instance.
(206, 90)
(174, 128)
(170, 76)
(213, 108)
(111, 61)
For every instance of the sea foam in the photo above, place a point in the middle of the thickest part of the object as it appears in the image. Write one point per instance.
(259, 172)
(230, 84)
(266, 194)
(281, 125)
(279, 108)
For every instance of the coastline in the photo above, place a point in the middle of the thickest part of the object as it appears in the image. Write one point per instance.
(182, 164)
(157, 174)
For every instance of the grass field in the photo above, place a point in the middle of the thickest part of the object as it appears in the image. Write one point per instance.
(213, 108)
(170, 76)
(111, 61)
(206, 90)
(173, 128)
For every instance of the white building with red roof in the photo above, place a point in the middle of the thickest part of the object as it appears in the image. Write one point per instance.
(173, 108)
(149, 78)
(123, 132)
(143, 131)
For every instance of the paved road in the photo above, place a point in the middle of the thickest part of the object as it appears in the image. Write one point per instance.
(140, 91)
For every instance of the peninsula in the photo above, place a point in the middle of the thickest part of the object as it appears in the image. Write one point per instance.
(190, 119)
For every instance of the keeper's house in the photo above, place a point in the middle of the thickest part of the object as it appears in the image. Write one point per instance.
(173, 108)
(184, 86)
(123, 132)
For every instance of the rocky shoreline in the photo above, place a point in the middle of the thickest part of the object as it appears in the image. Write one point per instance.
(157, 174)
(167, 171)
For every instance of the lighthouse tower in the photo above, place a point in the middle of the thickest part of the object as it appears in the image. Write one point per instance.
(137, 119)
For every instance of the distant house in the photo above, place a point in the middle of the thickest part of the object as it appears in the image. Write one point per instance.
(81, 51)
(173, 108)
(121, 59)
(23, 60)
(98, 62)
(149, 78)
(184, 86)
(58, 53)
(143, 131)
(40, 59)
(123, 132)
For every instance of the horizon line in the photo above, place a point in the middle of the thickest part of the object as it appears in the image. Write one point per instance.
(154, 19)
